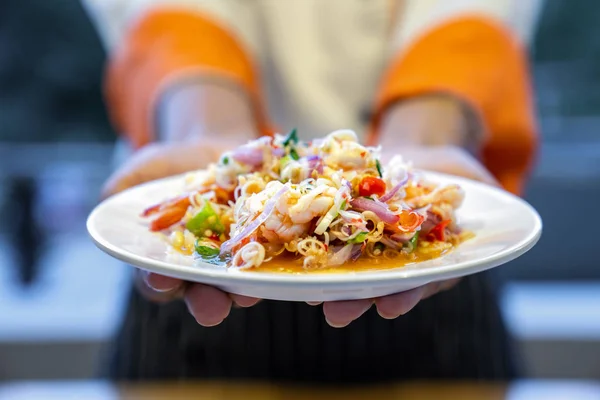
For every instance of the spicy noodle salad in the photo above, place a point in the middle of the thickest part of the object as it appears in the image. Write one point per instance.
(326, 202)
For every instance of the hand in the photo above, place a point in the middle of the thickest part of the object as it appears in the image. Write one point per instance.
(224, 118)
(446, 159)
(210, 306)
(431, 131)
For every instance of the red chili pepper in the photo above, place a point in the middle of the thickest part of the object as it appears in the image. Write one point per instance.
(438, 231)
(371, 185)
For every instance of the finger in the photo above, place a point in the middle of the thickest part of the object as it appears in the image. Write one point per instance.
(449, 284)
(209, 305)
(339, 314)
(436, 287)
(158, 288)
(243, 301)
(314, 303)
(161, 283)
(395, 305)
(431, 289)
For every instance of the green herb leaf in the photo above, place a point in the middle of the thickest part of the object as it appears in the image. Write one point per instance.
(379, 171)
(225, 160)
(343, 205)
(206, 251)
(294, 154)
(291, 138)
(412, 244)
(359, 238)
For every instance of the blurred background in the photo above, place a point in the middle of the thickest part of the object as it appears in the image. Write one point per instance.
(61, 299)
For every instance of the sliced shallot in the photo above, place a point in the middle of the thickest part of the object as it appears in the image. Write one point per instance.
(249, 229)
(380, 209)
(388, 196)
(341, 256)
(248, 155)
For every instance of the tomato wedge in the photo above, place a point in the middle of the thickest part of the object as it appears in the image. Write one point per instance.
(439, 231)
(371, 185)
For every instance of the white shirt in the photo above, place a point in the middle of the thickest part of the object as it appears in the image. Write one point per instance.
(321, 60)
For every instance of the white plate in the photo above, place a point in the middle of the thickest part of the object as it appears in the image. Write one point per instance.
(505, 227)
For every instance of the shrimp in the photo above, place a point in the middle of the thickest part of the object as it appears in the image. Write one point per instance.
(451, 194)
(303, 208)
(343, 151)
(349, 156)
(167, 213)
(279, 228)
(174, 210)
(294, 171)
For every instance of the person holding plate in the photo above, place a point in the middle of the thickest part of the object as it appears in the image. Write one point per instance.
(445, 83)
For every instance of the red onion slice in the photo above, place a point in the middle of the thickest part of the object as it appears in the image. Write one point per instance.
(380, 209)
(227, 246)
(357, 251)
(315, 163)
(392, 244)
(388, 196)
(355, 219)
(278, 152)
(402, 237)
(431, 220)
(340, 256)
(248, 155)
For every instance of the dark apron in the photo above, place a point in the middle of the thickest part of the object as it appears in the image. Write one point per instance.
(457, 334)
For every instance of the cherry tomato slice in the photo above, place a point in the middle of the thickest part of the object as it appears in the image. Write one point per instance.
(371, 185)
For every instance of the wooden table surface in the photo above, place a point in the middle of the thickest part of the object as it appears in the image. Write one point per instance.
(522, 390)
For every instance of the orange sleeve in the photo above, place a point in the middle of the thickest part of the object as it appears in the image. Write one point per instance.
(164, 46)
(479, 61)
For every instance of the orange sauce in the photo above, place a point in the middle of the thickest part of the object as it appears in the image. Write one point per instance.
(293, 265)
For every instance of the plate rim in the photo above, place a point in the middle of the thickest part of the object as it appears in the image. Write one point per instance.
(376, 277)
